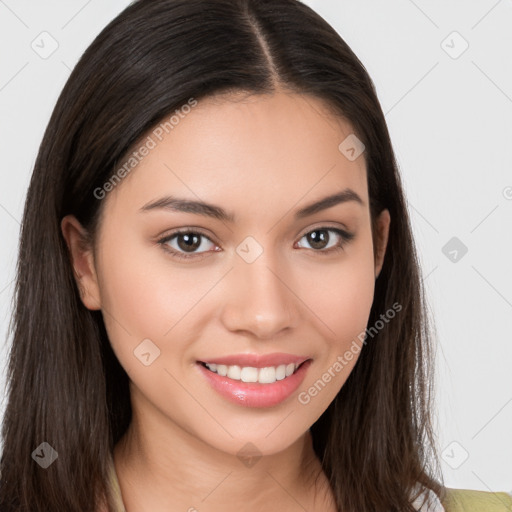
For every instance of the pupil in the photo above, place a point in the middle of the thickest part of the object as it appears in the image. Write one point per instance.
(318, 239)
(190, 240)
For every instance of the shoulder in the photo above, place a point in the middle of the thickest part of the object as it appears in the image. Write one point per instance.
(114, 490)
(465, 500)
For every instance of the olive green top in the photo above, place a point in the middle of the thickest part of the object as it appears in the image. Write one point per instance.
(456, 500)
(464, 500)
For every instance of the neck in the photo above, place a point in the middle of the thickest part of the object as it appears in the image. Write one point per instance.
(177, 471)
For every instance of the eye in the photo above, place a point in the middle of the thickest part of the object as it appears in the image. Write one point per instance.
(185, 244)
(326, 240)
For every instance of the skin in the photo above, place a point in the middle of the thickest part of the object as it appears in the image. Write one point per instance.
(261, 158)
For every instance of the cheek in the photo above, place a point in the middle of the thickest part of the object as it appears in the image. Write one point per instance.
(146, 296)
(342, 294)
(138, 285)
(137, 301)
(346, 302)
(344, 306)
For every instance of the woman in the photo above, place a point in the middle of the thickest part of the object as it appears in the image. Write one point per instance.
(218, 299)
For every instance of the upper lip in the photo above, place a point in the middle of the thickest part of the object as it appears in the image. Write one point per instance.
(256, 360)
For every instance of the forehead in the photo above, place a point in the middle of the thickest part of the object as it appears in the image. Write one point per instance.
(259, 152)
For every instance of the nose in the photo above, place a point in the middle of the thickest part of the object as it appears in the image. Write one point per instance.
(259, 300)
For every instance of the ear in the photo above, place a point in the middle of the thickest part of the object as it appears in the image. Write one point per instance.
(383, 221)
(82, 260)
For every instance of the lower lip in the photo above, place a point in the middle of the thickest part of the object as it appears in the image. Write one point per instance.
(254, 394)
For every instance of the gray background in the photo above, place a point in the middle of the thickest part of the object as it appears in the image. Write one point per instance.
(449, 110)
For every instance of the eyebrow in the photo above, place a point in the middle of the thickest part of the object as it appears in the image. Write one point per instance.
(211, 210)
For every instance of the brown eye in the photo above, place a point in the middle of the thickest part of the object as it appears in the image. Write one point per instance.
(318, 239)
(323, 240)
(185, 244)
(188, 241)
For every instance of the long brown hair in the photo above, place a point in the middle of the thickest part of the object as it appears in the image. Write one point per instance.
(66, 387)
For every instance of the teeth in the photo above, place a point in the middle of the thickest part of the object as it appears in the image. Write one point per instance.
(267, 375)
(248, 374)
(290, 369)
(234, 372)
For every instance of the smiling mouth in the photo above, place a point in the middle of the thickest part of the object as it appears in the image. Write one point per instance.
(266, 375)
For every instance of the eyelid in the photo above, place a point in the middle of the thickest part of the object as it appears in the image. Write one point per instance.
(186, 230)
(325, 225)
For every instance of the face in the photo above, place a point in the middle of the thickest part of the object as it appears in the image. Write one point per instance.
(257, 284)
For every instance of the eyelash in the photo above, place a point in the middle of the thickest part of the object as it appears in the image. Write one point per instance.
(345, 236)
